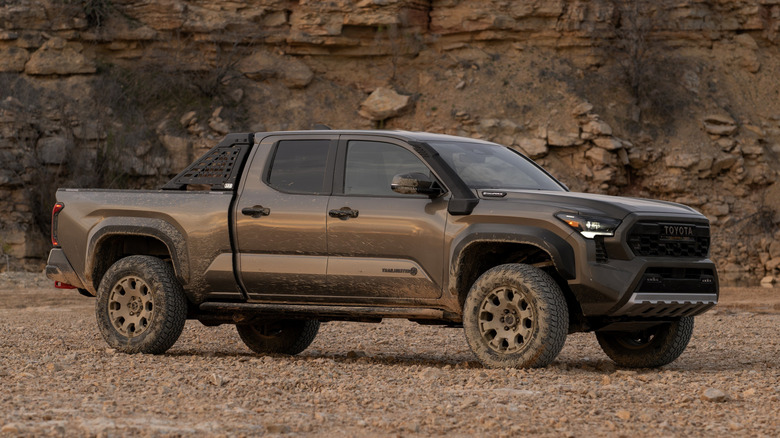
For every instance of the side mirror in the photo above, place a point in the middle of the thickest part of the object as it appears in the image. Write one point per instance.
(415, 184)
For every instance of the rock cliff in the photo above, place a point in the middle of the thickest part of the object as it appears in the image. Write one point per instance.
(676, 100)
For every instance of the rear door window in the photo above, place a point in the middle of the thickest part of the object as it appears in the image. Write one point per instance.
(300, 166)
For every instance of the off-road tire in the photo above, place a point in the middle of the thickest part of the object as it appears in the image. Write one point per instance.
(526, 301)
(141, 307)
(288, 336)
(651, 348)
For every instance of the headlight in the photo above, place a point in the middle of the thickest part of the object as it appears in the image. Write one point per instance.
(590, 226)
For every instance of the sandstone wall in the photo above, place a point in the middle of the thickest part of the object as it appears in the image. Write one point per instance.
(675, 100)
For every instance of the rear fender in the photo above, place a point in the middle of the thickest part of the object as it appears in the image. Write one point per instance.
(158, 229)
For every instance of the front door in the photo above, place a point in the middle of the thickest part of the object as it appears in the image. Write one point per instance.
(281, 218)
(382, 244)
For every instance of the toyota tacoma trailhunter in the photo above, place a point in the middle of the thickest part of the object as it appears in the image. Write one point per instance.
(277, 232)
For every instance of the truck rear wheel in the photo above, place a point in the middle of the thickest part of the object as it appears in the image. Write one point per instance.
(140, 306)
(651, 348)
(515, 316)
(290, 336)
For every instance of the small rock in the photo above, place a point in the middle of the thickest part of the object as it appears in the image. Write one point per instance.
(599, 155)
(219, 126)
(597, 127)
(726, 144)
(563, 139)
(623, 415)
(383, 103)
(718, 124)
(236, 95)
(581, 109)
(533, 147)
(461, 85)
(14, 59)
(774, 249)
(714, 395)
(768, 281)
(608, 143)
(277, 428)
(217, 380)
(746, 41)
(749, 392)
(10, 428)
(681, 160)
(110, 350)
(188, 118)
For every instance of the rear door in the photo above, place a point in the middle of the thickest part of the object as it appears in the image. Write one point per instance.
(383, 245)
(281, 217)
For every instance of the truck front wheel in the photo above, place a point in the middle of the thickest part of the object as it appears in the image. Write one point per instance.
(140, 306)
(515, 315)
(290, 336)
(651, 348)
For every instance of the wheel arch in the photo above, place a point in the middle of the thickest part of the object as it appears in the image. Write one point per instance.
(481, 250)
(119, 237)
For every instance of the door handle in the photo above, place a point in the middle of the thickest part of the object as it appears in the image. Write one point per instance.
(343, 213)
(256, 211)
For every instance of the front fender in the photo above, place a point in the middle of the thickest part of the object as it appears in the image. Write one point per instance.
(560, 251)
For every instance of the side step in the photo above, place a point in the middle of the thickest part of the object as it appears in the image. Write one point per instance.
(328, 312)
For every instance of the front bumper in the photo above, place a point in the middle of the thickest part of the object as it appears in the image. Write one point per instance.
(648, 288)
(58, 268)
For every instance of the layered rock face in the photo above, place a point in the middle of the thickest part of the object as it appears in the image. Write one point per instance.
(674, 100)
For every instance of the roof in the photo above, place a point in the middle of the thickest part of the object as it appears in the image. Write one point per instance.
(402, 135)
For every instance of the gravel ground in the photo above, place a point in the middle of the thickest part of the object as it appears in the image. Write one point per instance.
(396, 378)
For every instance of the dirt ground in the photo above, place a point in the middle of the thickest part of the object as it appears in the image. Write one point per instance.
(396, 378)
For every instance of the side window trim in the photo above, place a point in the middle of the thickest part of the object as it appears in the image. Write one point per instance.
(329, 165)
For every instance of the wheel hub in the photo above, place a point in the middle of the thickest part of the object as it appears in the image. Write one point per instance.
(134, 306)
(506, 320)
(130, 306)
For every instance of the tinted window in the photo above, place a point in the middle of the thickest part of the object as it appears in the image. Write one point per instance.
(299, 166)
(371, 167)
(491, 166)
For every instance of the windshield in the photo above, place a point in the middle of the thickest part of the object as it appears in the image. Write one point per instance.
(488, 166)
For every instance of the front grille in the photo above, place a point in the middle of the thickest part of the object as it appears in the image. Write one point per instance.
(677, 280)
(651, 239)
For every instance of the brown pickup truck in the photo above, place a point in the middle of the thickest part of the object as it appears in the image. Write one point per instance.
(277, 232)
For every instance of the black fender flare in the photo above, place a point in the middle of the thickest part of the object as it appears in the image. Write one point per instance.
(159, 229)
(560, 251)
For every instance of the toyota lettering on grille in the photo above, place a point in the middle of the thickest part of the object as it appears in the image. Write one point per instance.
(678, 230)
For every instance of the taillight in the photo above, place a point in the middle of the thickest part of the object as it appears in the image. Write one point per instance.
(54, 213)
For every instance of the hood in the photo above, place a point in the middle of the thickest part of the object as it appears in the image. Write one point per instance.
(617, 207)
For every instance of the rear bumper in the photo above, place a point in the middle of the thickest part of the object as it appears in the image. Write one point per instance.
(58, 268)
